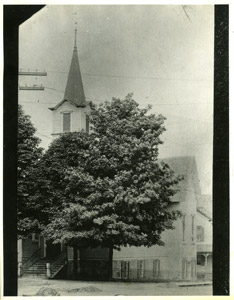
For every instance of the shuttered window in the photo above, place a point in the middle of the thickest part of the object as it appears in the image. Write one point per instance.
(66, 122)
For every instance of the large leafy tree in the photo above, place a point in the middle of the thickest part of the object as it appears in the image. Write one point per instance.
(107, 188)
(28, 156)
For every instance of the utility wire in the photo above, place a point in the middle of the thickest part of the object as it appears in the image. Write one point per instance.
(170, 124)
(135, 77)
(180, 117)
(159, 104)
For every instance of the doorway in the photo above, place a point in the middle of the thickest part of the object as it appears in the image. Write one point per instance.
(52, 250)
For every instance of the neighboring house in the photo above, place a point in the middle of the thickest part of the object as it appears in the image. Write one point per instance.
(204, 237)
(176, 260)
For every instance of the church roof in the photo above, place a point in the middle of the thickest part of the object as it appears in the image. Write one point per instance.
(74, 92)
(186, 167)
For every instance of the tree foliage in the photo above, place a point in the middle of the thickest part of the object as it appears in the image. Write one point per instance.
(107, 188)
(28, 155)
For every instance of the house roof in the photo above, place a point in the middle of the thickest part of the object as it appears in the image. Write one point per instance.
(205, 206)
(74, 92)
(185, 166)
(205, 213)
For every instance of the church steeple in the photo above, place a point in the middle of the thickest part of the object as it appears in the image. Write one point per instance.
(74, 91)
(72, 112)
(75, 47)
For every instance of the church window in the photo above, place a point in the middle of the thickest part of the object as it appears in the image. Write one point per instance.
(87, 123)
(66, 122)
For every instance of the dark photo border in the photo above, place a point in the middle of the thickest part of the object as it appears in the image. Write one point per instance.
(13, 16)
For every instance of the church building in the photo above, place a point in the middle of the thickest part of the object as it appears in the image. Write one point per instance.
(176, 260)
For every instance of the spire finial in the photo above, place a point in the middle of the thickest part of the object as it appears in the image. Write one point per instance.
(75, 47)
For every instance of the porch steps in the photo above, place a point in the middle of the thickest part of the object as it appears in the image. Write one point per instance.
(57, 268)
(38, 269)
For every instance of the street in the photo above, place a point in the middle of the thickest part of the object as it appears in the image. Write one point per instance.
(30, 286)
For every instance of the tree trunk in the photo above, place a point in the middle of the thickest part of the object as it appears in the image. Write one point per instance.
(75, 262)
(110, 263)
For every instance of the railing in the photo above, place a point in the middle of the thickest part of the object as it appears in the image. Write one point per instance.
(34, 257)
(56, 266)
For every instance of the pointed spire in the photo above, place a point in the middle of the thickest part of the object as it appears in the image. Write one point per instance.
(74, 91)
(75, 47)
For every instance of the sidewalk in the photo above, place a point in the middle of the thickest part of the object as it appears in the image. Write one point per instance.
(30, 286)
(195, 283)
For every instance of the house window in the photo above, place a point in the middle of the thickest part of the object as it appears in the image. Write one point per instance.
(116, 269)
(156, 268)
(200, 260)
(87, 123)
(193, 268)
(183, 227)
(66, 122)
(124, 269)
(140, 269)
(35, 237)
(184, 268)
(200, 234)
(193, 228)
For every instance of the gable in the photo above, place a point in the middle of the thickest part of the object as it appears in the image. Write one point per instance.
(86, 103)
(184, 166)
(66, 106)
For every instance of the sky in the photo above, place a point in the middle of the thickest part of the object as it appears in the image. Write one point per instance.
(163, 54)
